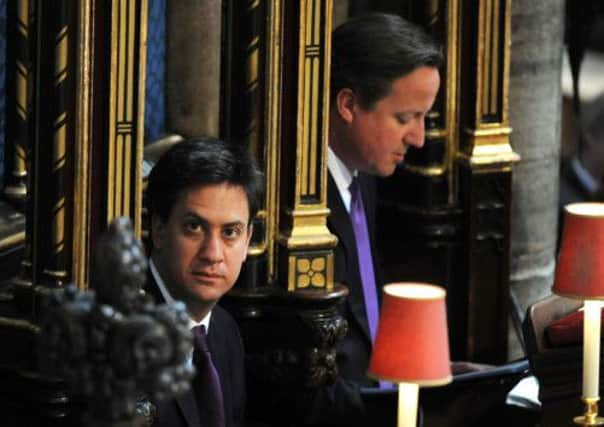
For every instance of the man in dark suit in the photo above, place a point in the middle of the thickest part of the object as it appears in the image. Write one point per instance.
(202, 195)
(384, 80)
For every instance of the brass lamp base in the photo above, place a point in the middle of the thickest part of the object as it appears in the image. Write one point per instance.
(590, 418)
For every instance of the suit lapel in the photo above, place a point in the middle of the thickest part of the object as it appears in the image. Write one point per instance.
(186, 402)
(188, 406)
(339, 222)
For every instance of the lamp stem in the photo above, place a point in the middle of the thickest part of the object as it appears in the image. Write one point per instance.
(591, 349)
(407, 404)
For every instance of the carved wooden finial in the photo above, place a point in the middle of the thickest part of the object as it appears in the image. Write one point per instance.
(113, 345)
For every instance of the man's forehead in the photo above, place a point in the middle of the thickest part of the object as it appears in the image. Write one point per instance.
(202, 198)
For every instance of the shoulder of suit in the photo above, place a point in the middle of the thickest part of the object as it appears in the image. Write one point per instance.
(223, 319)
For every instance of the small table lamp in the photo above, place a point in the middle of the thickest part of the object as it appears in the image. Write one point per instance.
(580, 275)
(411, 346)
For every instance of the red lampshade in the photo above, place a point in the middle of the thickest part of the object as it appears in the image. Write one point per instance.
(580, 269)
(412, 344)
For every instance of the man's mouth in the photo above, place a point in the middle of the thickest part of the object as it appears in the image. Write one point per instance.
(207, 275)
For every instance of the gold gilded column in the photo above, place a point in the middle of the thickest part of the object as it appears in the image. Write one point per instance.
(82, 229)
(108, 150)
(485, 137)
(305, 245)
(485, 160)
(126, 110)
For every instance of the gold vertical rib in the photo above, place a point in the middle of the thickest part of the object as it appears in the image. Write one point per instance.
(273, 125)
(306, 142)
(127, 163)
(495, 65)
(505, 66)
(113, 114)
(119, 173)
(452, 141)
(487, 57)
(122, 63)
(82, 140)
(314, 101)
(121, 100)
(131, 30)
(303, 93)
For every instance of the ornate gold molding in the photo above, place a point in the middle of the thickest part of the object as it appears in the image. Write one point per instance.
(306, 255)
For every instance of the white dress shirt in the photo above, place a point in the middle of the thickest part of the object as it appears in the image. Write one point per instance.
(341, 175)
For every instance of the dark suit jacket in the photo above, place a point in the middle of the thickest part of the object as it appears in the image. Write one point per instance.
(344, 403)
(355, 349)
(226, 348)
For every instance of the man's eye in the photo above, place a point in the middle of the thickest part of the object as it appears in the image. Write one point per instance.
(192, 227)
(403, 119)
(231, 232)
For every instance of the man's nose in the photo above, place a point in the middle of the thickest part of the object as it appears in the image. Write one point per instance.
(211, 248)
(416, 136)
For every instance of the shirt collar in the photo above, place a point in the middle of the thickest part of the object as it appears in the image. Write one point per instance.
(341, 175)
(169, 299)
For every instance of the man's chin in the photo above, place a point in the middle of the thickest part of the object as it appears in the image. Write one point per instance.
(385, 172)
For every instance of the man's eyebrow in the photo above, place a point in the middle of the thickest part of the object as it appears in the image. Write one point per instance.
(203, 221)
(234, 224)
(193, 215)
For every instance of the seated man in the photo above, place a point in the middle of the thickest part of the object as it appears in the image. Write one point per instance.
(202, 195)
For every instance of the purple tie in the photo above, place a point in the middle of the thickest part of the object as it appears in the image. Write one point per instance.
(361, 234)
(207, 382)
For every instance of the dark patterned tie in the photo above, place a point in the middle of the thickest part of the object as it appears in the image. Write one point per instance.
(207, 382)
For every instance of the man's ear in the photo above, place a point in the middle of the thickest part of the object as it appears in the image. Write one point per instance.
(158, 230)
(345, 104)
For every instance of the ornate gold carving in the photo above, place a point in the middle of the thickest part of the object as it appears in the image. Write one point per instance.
(310, 271)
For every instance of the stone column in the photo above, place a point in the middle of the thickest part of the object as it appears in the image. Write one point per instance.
(193, 32)
(535, 117)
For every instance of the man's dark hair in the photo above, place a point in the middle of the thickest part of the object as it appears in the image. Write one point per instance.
(202, 161)
(370, 51)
